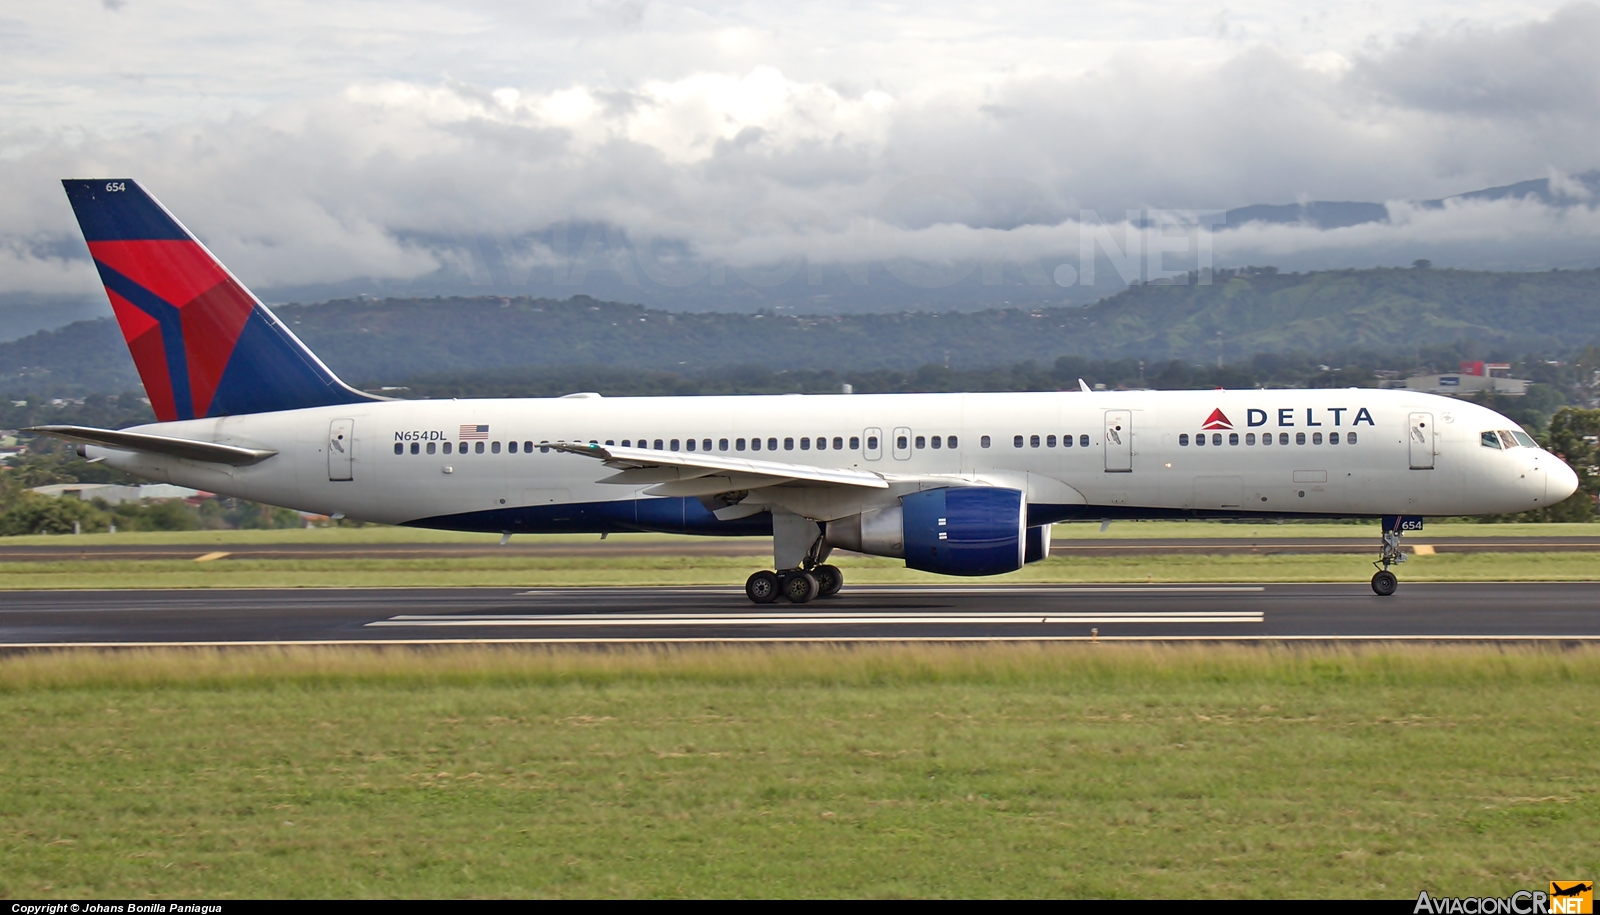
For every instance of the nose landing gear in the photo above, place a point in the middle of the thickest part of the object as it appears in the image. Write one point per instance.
(1384, 581)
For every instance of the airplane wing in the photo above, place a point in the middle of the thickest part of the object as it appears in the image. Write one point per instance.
(188, 449)
(674, 469)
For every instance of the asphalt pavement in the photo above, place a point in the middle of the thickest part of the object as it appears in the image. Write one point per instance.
(1555, 611)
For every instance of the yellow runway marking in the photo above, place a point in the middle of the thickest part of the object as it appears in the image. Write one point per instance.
(210, 556)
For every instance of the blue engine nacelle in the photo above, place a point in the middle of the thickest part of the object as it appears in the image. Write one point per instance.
(965, 530)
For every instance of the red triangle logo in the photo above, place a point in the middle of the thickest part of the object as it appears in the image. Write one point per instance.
(1217, 421)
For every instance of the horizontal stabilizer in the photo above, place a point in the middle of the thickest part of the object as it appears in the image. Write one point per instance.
(700, 464)
(188, 449)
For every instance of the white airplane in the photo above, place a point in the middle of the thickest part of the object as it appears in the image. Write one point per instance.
(958, 484)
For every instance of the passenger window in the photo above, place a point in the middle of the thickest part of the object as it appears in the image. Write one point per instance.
(805, 443)
(544, 448)
(1016, 441)
(901, 443)
(738, 444)
(1283, 438)
(755, 444)
(872, 442)
(1249, 438)
(674, 444)
(434, 446)
(416, 448)
(1083, 441)
(1200, 439)
(477, 448)
(627, 443)
(494, 447)
(1233, 438)
(1299, 438)
(1033, 441)
(935, 442)
(822, 443)
(659, 443)
(1266, 438)
(608, 442)
(983, 442)
(788, 444)
(1333, 438)
(922, 442)
(951, 441)
(1049, 441)
(838, 443)
(691, 444)
(722, 444)
(446, 447)
(1490, 440)
(1066, 441)
(1216, 438)
(772, 444)
(1350, 439)
(705, 445)
(512, 447)
(1316, 438)
(399, 448)
(1183, 439)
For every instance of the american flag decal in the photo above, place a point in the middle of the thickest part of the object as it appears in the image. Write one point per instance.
(470, 431)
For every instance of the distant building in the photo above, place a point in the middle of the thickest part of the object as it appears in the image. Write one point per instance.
(117, 493)
(1473, 378)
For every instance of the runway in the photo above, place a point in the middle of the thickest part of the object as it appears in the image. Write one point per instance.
(761, 546)
(1559, 611)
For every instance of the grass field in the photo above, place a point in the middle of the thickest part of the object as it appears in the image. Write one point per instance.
(585, 571)
(932, 771)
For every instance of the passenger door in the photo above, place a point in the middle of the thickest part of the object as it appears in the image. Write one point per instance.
(1119, 441)
(341, 449)
(1421, 441)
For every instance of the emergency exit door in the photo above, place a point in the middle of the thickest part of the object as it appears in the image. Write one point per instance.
(1421, 440)
(341, 449)
(1119, 441)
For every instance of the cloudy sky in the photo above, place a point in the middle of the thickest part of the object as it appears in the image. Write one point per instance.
(703, 145)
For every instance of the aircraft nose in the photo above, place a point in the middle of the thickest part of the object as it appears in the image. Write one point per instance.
(1560, 481)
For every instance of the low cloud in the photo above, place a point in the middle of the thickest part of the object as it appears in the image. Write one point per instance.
(759, 172)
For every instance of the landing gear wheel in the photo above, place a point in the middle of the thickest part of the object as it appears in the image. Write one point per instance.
(1384, 583)
(829, 580)
(799, 587)
(762, 587)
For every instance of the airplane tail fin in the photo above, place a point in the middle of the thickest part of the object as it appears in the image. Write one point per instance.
(203, 344)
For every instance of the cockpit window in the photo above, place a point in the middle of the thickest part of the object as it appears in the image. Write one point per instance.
(1526, 439)
(1507, 440)
(1491, 440)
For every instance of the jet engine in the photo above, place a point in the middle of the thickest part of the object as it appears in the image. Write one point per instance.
(962, 530)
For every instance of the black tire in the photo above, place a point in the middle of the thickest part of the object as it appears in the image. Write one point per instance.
(829, 580)
(1384, 583)
(762, 587)
(799, 587)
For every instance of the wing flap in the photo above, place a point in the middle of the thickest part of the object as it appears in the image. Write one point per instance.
(187, 449)
(692, 465)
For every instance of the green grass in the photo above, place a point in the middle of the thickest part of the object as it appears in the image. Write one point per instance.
(583, 571)
(1115, 771)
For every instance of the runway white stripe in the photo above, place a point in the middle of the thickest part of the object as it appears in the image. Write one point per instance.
(812, 619)
(943, 591)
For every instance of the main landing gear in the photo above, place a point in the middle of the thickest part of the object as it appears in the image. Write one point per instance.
(1384, 582)
(797, 586)
(800, 553)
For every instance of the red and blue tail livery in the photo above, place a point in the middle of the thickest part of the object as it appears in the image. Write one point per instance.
(203, 344)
